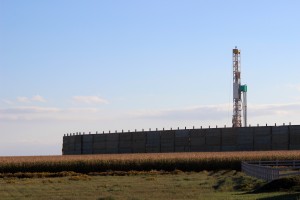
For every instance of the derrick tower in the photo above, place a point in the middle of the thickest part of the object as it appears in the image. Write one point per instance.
(239, 102)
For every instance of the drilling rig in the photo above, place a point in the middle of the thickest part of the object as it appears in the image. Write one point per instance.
(239, 92)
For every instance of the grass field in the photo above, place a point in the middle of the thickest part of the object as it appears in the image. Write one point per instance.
(224, 184)
(140, 162)
(137, 176)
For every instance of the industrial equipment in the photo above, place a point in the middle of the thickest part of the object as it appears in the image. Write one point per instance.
(239, 100)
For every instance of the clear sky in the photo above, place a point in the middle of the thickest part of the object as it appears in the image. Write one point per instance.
(69, 66)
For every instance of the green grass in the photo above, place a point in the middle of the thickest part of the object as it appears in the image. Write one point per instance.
(140, 176)
(223, 184)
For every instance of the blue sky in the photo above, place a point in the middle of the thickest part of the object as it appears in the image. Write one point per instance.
(70, 66)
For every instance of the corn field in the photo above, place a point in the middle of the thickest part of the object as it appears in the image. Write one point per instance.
(140, 162)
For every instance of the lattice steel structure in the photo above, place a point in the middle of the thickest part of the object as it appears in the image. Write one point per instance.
(239, 102)
(237, 99)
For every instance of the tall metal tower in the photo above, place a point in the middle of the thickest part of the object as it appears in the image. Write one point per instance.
(238, 89)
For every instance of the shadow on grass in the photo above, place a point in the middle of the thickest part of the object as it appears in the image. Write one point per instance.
(289, 196)
(295, 196)
(106, 198)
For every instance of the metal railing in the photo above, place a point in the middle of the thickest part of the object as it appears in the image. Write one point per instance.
(271, 170)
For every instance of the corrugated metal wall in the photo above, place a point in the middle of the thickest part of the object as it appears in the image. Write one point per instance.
(186, 140)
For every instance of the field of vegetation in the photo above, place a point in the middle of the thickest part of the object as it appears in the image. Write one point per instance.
(140, 162)
(141, 176)
(223, 184)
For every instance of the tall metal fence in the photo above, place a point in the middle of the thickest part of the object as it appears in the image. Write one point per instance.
(185, 140)
(271, 170)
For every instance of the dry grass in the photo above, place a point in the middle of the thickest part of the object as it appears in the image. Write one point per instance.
(139, 162)
(224, 184)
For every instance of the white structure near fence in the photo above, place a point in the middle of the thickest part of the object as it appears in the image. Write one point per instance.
(271, 170)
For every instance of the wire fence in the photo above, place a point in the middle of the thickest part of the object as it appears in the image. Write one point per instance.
(271, 170)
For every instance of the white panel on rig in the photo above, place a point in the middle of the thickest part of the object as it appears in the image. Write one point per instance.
(238, 89)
